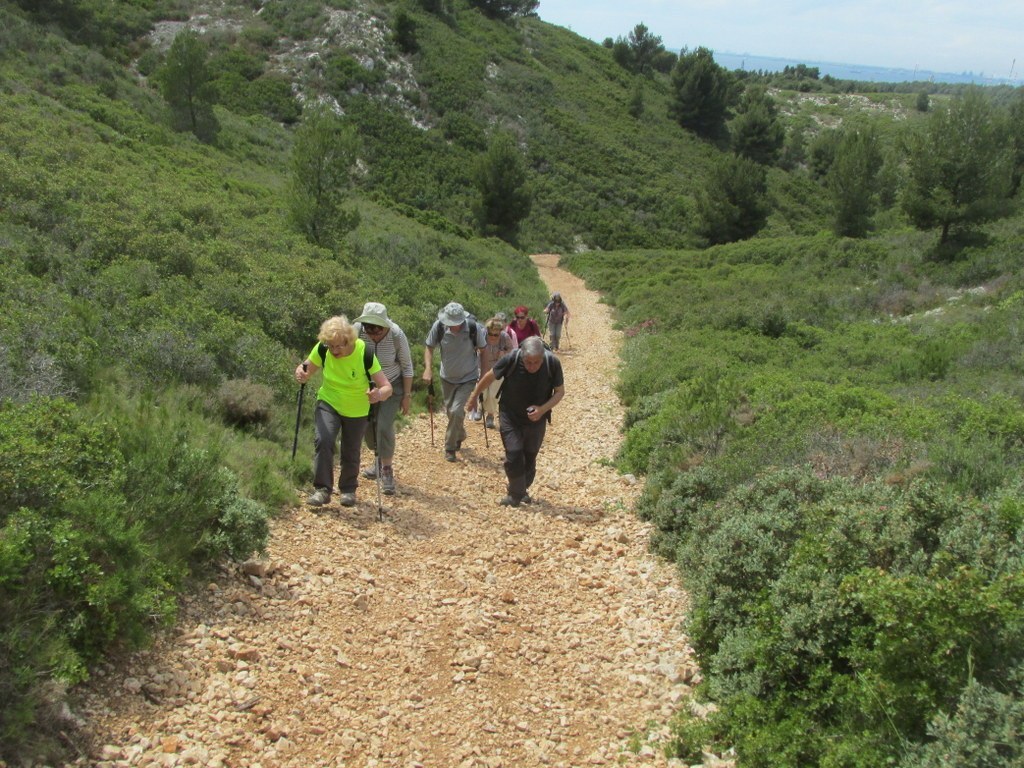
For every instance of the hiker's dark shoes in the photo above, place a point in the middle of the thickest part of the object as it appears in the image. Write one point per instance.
(489, 423)
(319, 497)
(509, 501)
(370, 473)
(387, 481)
(347, 499)
(527, 499)
(450, 456)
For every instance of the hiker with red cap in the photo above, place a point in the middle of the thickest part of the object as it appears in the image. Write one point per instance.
(523, 326)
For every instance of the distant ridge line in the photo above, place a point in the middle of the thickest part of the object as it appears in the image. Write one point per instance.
(862, 72)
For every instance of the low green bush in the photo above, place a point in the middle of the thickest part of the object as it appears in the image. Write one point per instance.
(101, 520)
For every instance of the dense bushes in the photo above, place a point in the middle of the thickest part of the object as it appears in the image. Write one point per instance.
(840, 487)
(100, 522)
(834, 620)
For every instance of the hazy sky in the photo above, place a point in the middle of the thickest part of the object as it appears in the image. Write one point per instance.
(955, 36)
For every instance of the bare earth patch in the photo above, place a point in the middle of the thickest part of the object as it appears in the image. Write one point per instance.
(454, 633)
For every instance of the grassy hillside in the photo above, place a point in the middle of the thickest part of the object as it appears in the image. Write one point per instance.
(156, 298)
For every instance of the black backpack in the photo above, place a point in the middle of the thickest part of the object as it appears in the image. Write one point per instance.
(321, 351)
(437, 332)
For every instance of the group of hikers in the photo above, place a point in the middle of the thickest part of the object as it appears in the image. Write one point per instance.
(500, 371)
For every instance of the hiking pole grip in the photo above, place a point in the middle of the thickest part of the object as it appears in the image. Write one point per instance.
(298, 416)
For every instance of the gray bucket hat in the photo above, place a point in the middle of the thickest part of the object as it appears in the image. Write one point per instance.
(374, 313)
(452, 315)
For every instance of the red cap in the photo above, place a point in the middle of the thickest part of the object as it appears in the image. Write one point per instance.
(521, 310)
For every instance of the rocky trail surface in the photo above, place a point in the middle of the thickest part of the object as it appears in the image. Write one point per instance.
(454, 633)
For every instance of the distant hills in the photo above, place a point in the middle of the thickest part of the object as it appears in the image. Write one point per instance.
(861, 72)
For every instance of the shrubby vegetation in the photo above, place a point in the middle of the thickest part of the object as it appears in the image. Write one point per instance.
(822, 383)
(835, 465)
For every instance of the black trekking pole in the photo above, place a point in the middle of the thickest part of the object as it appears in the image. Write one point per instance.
(565, 330)
(430, 409)
(487, 442)
(374, 423)
(298, 416)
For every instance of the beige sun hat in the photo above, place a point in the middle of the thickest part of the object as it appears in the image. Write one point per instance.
(453, 314)
(374, 313)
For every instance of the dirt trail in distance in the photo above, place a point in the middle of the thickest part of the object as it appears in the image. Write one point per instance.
(455, 633)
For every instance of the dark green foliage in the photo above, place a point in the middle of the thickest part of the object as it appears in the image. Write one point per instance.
(640, 52)
(505, 9)
(1015, 122)
(734, 205)
(756, 132)
(321, 165)
(959, 168)
(108, 24)
(852, 181)
(500, 179)
(405, 32)
(984, 730)
(702, 93)
(186, 87)
(636, 100)
(922, 104)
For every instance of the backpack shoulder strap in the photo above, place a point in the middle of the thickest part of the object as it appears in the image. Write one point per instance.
(367, 361)
(321, 350)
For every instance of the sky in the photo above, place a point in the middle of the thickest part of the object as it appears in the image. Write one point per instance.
(953, 36)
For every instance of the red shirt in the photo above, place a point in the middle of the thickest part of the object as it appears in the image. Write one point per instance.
(530, 328)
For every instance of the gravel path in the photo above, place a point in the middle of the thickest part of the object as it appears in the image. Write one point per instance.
(454, 633)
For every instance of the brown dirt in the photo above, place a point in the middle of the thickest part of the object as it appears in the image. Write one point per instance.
(454, 633)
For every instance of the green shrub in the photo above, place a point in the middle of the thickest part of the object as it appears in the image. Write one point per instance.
(245, 403)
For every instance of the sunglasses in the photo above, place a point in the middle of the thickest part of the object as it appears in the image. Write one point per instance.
(493, 335)
(520, 317)
(372, 328)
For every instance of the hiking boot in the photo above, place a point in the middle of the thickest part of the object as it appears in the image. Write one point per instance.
(387, 481)
(450, 456)
(489, 423)
(527, 499)
(319, 497)
(347, 499)
(370, 473)
(474, 415)
(509, 501)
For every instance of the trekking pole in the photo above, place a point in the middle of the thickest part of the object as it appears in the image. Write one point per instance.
(430, 409)
(568, 341)
(298, 416)
(487, 442)
(374, 425)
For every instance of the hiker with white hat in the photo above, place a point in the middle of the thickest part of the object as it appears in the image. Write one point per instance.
(391, 346)
(461, 341)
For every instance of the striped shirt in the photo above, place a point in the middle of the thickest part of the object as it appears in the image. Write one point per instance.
(392, 351)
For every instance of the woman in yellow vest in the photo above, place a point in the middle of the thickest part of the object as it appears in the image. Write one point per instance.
(342, 405)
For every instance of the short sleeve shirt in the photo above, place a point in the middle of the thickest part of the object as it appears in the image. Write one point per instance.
(522, 388)
(344, 384)
(460, 362)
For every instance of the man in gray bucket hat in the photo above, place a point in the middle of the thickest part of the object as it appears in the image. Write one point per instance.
(391, 346)
(461, 341)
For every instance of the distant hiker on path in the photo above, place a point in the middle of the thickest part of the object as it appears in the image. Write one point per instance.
(461, 340)
(523, 326)
(342, 405)
(557, 313)
(533, 385)
(499, 344)
(390, 346)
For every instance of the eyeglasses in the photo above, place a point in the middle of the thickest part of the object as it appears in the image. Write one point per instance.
(520, 317)
(493, 335)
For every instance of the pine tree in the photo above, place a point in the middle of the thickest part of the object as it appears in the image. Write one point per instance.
(500, 177)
